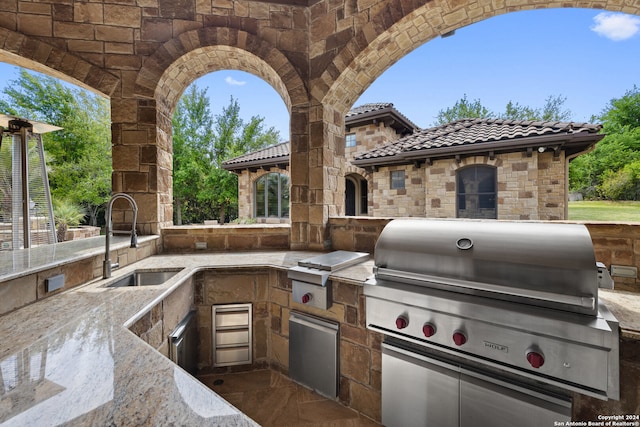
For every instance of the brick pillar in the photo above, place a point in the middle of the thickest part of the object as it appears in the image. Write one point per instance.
(317, 174)
(142, 161)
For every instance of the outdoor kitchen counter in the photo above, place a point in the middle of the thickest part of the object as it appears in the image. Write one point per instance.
(70, 359)
(626, 307)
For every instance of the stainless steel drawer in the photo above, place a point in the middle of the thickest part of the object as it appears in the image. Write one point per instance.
(233, 356)
(232, 319)
(224, 338)
(232, 334)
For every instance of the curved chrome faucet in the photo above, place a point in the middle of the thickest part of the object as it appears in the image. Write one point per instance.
(106, 265)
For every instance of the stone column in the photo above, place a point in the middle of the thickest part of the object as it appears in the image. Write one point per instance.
(317, 174)
(142, 160)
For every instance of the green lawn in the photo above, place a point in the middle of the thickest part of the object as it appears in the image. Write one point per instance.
(604, 211)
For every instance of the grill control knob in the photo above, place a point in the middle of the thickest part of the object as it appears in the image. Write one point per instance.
(402, 322)
(459, 338)
(535, 359)
(306, 297)
(428, 330)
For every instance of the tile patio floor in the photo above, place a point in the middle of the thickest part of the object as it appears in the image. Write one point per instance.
(273, 400)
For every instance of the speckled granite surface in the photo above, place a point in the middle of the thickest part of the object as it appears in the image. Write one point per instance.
(71, 360)
(28, 261)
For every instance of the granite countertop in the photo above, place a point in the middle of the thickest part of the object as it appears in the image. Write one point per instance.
(23, 262)
(70, 359)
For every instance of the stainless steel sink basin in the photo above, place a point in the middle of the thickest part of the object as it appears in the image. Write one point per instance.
(144, 278)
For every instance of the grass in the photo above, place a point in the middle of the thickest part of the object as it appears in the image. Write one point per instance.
(604, 211)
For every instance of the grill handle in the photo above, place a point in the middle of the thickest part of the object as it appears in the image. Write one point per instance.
(414, 278)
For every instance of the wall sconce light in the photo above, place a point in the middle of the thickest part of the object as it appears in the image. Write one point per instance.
(541, 149)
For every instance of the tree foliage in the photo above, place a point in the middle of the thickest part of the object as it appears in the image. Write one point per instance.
(463, 109)
(79, 156)
(553, 110)
(612, 170)
(202, 142)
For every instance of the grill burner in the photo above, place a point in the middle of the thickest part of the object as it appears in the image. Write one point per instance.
(516, 298)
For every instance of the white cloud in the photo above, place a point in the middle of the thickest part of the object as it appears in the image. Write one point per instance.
(616, 26)
(233, 82)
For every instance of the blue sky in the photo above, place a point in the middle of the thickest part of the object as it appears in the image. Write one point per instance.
(588, 56)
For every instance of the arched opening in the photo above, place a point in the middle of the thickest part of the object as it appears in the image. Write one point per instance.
(434, 72)
(355, 195)
(223, 116)
(74, 170)
(175, 74)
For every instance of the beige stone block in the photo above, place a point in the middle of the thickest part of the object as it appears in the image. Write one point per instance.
(35, 25)
(114, 34)
(280, 297)
(155, 337)
(280, 350)
(67, 30)
(177, 305)
(88, 13)
(261, 333)
(233, 288)
(122, 16)
(366, 400)
(17, 293)
(119, 48)
(85, 46)
(126, 157)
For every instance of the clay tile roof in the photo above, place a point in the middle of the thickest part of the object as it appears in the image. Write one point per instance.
(279, 154)
(274, 154)
(380, 111)
(472, 135)
(368, 108)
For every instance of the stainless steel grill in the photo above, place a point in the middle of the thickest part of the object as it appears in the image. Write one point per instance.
(513, 301)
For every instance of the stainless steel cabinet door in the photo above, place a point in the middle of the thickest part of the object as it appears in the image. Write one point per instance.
(416, 392)
(484, 403)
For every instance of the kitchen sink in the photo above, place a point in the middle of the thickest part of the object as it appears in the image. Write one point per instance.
(144, 278)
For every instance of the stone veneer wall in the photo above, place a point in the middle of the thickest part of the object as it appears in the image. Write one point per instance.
(155, 326)
(25, 290)
(529, 187)
(246, 199)
(228, 237)
(270, 292)
(233, 286)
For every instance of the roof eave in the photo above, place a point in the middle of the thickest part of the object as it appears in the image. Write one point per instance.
(257, 164)
(571, 143)
(369, 117)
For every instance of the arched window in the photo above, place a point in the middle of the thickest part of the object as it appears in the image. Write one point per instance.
(272, 196)
(476, 192)
(355, 195)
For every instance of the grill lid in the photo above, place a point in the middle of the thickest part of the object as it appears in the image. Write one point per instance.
(545, 264)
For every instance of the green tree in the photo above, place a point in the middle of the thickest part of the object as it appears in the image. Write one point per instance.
(79, 156)
(553, 110)
(610, 171)
(463, 109)
(202, 142)
(233, 138)
(192, 134)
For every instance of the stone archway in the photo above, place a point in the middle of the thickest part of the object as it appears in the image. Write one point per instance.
(145, 133)
(32, 53)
